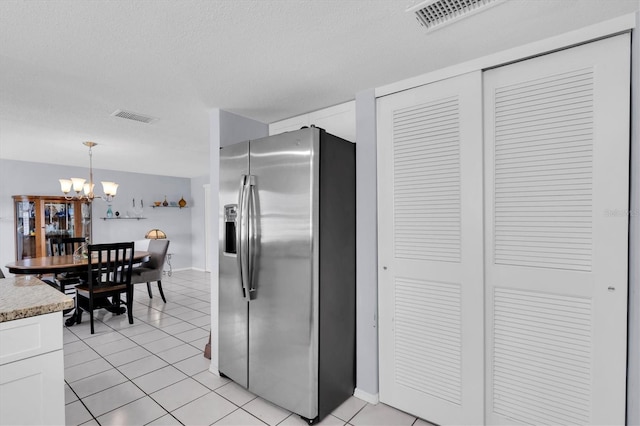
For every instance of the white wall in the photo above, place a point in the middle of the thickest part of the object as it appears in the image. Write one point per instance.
(198, 218)
(27, 178)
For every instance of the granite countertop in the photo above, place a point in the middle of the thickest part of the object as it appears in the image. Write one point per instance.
(24, 296)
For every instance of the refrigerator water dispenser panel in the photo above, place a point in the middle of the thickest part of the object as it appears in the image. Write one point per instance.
(230, 214)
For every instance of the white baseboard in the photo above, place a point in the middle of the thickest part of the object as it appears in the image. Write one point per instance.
(193, 268)
(366, 396)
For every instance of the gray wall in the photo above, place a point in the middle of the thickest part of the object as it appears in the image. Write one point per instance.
(27, 178)
(366, 246)
(198, 240)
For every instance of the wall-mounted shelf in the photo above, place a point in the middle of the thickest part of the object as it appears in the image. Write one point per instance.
(176, 207)
(122, 218)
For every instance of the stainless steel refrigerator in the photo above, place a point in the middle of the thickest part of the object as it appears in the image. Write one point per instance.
(287, 269)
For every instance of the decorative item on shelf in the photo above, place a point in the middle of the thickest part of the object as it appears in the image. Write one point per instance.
(157, 203)
(165, 202)
(137, 211)
(155, 234)
(109, 212)
(78, 184)
(117, 213)
(182, 203)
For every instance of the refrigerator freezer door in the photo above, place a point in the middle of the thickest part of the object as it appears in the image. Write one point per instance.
(233, 316)
(283, 311)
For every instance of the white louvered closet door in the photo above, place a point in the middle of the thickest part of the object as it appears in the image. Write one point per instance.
(430, 250)
(556, 202)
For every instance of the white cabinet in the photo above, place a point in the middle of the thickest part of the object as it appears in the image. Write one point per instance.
(32, 371)
(339, 120)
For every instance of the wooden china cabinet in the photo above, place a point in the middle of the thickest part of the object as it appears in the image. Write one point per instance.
(41, 217)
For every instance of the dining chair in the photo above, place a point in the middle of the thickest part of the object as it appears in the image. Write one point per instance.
(151, 270)
(66, 246)
(108, 275)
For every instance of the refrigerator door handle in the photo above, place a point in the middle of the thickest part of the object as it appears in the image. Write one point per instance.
(245, 241)
(252, 222)
(240, 235)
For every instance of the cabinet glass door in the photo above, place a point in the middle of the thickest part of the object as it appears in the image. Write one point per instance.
(25, 229)
(59, 221)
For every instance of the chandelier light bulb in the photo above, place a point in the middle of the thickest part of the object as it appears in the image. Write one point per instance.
(65, 185)
(78, 184)
(88, 188)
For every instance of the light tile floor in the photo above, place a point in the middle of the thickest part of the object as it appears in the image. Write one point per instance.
(154, 372)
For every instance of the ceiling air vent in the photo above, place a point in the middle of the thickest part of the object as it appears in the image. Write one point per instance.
(133, 116)
(434, 14)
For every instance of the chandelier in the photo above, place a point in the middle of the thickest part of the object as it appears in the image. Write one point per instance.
(79, 185)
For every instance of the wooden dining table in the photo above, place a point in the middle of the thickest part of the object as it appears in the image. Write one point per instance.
(66, 263)
(58, 264)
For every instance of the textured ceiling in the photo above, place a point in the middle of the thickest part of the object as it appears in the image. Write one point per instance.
(65, 66)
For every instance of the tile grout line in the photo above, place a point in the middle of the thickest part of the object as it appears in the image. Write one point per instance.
(245, 411)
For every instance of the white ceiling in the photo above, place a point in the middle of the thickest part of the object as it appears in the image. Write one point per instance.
(65, 66)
